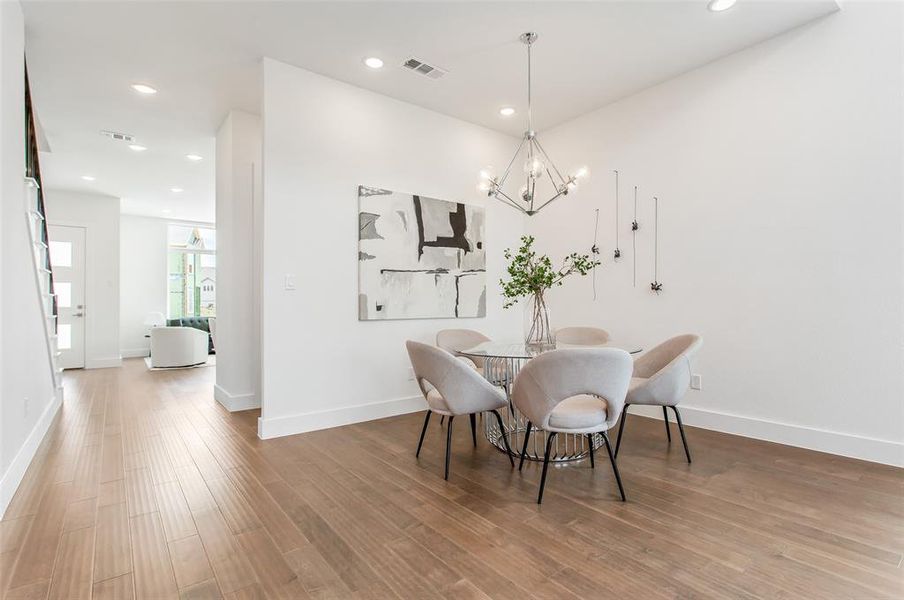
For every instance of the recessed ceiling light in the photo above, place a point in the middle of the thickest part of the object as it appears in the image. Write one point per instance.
(88, 177)
(166, 211)
(720, 5)
(143, 88)
(176, 190)
(373, 62)
(137, 147)
(506, 111)
(194, 157)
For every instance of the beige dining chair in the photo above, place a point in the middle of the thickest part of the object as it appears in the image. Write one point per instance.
(577, 391)
(662, 377)
(452, 388)
(582, 336)
(457, 340)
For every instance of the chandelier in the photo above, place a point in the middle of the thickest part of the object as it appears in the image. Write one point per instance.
(536, 166)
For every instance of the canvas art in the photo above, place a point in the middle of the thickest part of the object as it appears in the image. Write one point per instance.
(419, 257)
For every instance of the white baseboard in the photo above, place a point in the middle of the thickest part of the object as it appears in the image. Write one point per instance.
(843, 444)
(336, 417)
(16, 471)
(135, 353)
(235, 402)
(103, 363)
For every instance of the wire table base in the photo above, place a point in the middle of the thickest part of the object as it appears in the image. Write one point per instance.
(501, 371)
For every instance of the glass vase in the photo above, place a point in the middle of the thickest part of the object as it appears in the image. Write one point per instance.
(538, 333)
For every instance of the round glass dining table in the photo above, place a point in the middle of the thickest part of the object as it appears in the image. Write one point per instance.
(500, 363)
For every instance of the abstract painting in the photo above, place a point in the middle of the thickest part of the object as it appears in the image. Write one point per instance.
(419, 257)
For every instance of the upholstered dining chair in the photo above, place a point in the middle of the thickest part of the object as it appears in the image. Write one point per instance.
(453, 388)
(456, 340)
(582, 336)
(661, 378)
(577, 391)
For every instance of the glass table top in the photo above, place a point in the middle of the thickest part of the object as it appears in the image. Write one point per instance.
(521, 350)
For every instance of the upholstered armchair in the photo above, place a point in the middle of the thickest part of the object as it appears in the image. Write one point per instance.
(453, 388)
(178, 347)
(577, 391)
(662, 377)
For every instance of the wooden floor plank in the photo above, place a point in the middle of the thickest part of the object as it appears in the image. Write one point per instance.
(153, 573)
(113, 549)
(72, 573)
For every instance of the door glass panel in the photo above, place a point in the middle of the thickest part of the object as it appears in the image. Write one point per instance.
(63, 291)
(64, 336)
(60, 254)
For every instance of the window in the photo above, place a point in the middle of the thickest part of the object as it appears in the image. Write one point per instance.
(192, 268)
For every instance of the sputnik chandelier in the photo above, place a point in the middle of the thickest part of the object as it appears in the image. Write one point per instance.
(536, 165)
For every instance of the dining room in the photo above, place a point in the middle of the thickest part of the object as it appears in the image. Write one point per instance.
(513, 300)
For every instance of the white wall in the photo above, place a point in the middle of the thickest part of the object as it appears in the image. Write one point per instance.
(142, 279)
(779, 170)
(28, 400)
(100, 216)
(239, 193)
(322, 138)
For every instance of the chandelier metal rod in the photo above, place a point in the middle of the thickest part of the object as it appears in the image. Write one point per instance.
(511, 162)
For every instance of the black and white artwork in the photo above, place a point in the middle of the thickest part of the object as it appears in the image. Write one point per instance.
(419, 257)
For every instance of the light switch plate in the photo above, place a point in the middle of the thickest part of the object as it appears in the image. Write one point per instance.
(696, 381)
(290, 282)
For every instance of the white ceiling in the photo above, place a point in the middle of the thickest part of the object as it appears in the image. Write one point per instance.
(204, 58)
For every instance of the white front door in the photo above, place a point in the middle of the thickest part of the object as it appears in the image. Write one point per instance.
(67, 258)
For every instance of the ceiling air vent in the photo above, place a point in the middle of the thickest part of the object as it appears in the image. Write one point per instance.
(119, 137)
(421, 68)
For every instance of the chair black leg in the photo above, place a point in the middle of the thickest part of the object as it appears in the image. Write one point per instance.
(442, 419)
(621, 489)
(665, 416)
(448, 446)
(420, 442)
(590, 441)
(508, 449)
(552, 436)
(524, 448)
(474, 428)
(687, 451)
(621, 428)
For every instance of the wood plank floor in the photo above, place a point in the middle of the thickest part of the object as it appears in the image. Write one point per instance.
(146, 488)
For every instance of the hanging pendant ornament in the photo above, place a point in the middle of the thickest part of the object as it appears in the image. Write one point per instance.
(594, 249)
(617, 254)
(634, 228)
(656, 286)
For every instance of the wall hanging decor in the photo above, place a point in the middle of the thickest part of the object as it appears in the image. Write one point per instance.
(634, 227)
(655, 285)
(536, 166)
(595, 249)
(419, 257)
(617, 254)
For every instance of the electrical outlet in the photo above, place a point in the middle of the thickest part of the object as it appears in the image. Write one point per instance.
(696, 382)
(290, 282)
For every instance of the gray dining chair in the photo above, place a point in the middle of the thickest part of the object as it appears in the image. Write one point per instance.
(582, 336)
(662, 377)
(453, 388)
(576, 391)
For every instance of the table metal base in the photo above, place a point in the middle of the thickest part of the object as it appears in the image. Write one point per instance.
(566, 447)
